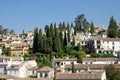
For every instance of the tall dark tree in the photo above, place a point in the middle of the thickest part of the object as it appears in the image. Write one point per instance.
(12, 31)
(78, 22)
(92, 28)
(118, 33)
(35, 41)
(61, 39)
(51, 30)
(47, 30)
(44, 44)
(48, 45)
(64, 26)
(56, 42)
(71, 24)
(112, 28)
(68, 30)
(86, 25)
(65, 39)
(40, 44)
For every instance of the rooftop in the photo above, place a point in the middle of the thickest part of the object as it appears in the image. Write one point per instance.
(46, 69)
(79, 76)
(99, 59)
(91, 66)
(64, 59)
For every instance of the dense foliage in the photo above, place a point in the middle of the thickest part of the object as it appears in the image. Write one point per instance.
(112, 28)
(112, 73)
(57, 41)
(100, 55)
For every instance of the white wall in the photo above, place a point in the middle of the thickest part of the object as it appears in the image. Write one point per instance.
(13, 72)
(2, 69)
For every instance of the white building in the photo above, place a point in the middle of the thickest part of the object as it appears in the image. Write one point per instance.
(59, 63)
(87, 75)
(17, 70)
(45, 72)
(99, 60)
(22, 70)
(89, 67)
(107, 45)
(6, 62)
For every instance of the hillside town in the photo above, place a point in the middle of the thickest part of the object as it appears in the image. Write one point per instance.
(14, 65)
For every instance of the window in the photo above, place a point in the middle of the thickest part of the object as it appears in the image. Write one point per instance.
(113, 43)
(98, 47)
(40, 74)
(113, 47)
(61, 63)
(98, 42)
(46, 75)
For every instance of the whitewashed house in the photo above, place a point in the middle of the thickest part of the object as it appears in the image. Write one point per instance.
(107, 45)
(17, 70)
(22, 70)
(59, 63)
(89, 67)
(87, 75)
(100, 60)
(45, 72)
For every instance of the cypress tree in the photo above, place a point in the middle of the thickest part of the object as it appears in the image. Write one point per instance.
(68, 34)
(112, 28)
(65, 39)
(61, 39)
(71, 24)
(47, 31)
(35, 41)
(40, 40)
(56, 41)
(92, 28)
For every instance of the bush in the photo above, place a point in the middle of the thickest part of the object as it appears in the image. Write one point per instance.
(100, 55)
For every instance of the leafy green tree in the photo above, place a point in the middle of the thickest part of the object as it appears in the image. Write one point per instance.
(110, 69)
(78, 22)
(12, 31)
(6, 51)
(118, 34)
(35, 41)
(112, 73)
(86, 25)
(112, 28)
(92, 27)
(3, 30)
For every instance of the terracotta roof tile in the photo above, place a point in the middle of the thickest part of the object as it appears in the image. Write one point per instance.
(79, 76)
(46, 68)
(99, 59)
